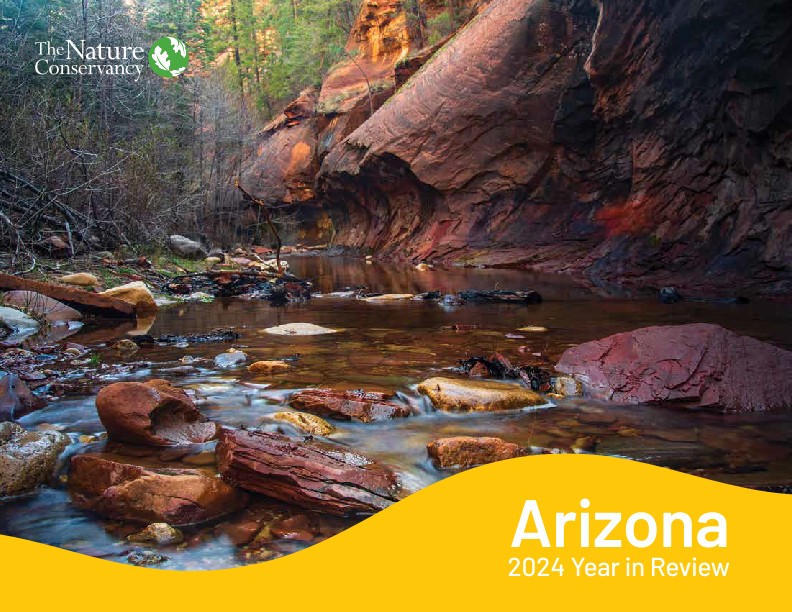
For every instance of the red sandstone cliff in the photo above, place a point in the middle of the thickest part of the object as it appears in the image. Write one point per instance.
(636, 141)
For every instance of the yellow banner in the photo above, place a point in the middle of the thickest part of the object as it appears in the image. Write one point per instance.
(552, 531)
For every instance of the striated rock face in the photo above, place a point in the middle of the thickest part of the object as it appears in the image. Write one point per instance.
(697, 365)
(359, 405)
(319, 476)
(128, 492)
(630, 141)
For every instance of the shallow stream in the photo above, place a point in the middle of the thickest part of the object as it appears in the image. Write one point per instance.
(393, 346)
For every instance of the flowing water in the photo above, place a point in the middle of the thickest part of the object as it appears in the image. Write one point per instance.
(393, 346)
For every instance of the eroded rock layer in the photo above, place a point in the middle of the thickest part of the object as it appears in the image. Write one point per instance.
(628, 140)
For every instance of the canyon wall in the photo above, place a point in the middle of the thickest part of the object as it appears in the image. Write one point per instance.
(643, 142)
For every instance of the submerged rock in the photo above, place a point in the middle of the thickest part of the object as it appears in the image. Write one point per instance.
(466, 451)
(137, 294)
(469, 395)
(358, 405)
(501, 297)
(299, 329)
(309, 423)
(144, 558)
(42, 306)
(268, 367)
(27, 458)
(231, 359)
(16, 398)
(161, 534)
(154, 413)
(697, 365)
(320, 476)
(127, 492)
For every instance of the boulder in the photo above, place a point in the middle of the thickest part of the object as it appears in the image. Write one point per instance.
(154, 413)
(16, 399)
(320, 476)
(697, 365)
(309, 423)
(137, 294)
(473, 395)
(299, 329)
(184, 247)
(80, 279)
(17, 325)
(27, 458)
(127, 492)
(466, 451)
(268, 367)
(358, 405)
(42, 306)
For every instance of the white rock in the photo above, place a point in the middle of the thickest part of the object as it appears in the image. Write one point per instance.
(299, 329)
(20, 325)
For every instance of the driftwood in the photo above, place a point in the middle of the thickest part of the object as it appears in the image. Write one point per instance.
(84, 301)
(268, 218)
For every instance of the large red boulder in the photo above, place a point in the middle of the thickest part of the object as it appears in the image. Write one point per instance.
(127, 492)
(154, 413)
(319, 476)
(365, 406)
(696, 365)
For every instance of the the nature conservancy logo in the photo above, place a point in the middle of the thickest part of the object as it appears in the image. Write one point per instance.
(167, 58)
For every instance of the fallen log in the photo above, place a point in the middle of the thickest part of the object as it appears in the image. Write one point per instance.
(84, 301)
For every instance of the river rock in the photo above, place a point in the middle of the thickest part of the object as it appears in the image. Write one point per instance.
(137, 294)
(16, 398)
(42, 306)
(299, 329)
(27, 458)
(466, 451)
(231, 359)
(19, 325)
(154, 413)
(268, 367)
(80, 279)
(389, 297)
(184, 247)
(127, 492)
(309, 423)
(697, 365)
(160, 534)
(473, 395)
(358, 405)
(319, 476)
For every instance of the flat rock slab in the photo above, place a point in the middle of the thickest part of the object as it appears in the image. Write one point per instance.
(83, 301)
(319, 476)
(697, 365)
(477, 396)
(358, 405)
(127, 492)
(299, 329)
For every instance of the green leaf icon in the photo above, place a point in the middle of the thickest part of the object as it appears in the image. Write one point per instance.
(168, 57)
